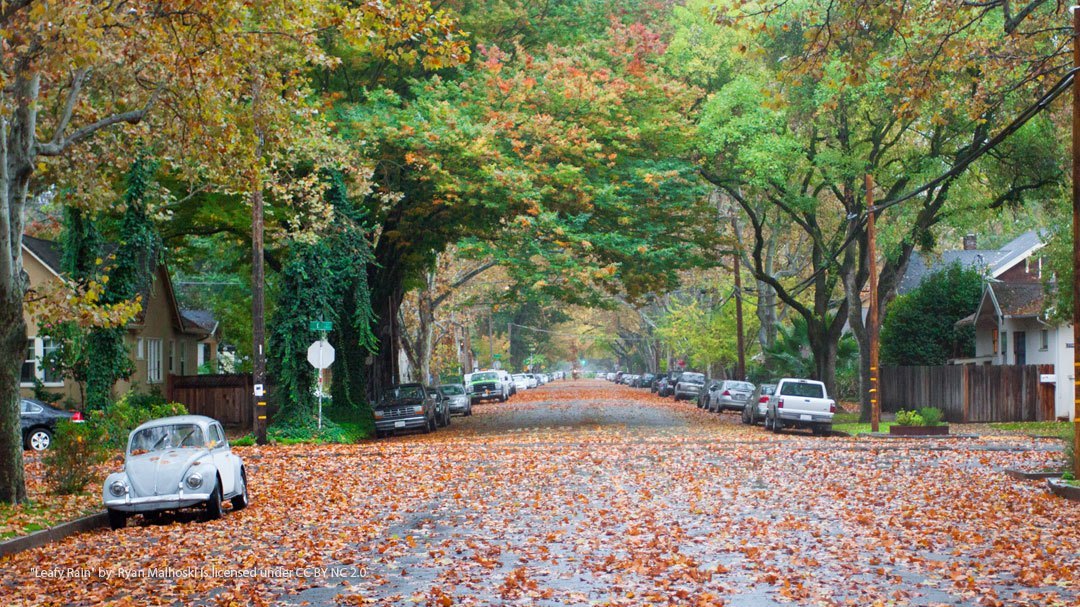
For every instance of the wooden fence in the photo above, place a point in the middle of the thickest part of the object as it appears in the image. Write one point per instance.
(971, 393)
(226, 398)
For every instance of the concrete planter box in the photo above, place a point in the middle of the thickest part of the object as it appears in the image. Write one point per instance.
(1032, 476)
(1059, 488)
(941, 430)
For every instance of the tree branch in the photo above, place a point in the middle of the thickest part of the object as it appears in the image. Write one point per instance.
(59, 144)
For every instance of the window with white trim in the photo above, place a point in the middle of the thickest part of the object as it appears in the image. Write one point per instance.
(34, 367)
(172, 356)
(29, 366)
(153, 361)
(140, 349)
(183, 358)
(49, 375)
(1044, 340)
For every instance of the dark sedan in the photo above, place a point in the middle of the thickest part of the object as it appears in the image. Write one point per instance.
(38, 421)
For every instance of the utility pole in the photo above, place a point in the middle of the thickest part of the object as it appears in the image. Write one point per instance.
(491, 339)
(740, 342)
(509, 341)
(1076, 242)
(258, 279)
(872, 316)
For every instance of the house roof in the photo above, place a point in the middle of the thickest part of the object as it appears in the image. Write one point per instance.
(201, 320)
(1009, 300)
(189, 321)
(45, 251)
(993, 262)
(1018, 299)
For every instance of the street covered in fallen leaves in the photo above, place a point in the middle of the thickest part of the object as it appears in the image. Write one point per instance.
(587, 493)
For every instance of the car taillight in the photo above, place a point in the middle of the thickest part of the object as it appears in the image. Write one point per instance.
(77, 417)
(832, 407)
(780, 404)
(763, 400)
(726, 393)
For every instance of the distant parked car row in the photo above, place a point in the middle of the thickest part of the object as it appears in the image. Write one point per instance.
(789, 403)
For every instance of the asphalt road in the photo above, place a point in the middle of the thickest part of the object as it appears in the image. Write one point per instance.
(584, 493)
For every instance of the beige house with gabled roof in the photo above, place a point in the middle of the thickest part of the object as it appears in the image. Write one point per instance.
(163, 340)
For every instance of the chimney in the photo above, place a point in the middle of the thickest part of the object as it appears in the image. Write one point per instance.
(971, 242)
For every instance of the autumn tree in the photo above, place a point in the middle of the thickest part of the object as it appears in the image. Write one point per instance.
(824, 93)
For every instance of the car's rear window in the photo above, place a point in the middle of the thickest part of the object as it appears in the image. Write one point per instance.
(768, 388)
(804, 390)
(692, 378)
(739, 386)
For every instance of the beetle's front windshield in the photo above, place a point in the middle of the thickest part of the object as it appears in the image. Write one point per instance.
(160, 438)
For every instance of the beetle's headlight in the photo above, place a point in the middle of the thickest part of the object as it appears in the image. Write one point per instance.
(194, 481)
(118, 488)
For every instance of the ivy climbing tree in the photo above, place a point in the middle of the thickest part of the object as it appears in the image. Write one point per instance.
(324, 278)
(129, 275)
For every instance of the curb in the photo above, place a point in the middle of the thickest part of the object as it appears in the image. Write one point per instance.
(38, 539)
(1031, 476)
(1060, 489)
(882, 435)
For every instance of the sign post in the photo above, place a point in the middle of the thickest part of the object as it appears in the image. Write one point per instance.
(321, 355)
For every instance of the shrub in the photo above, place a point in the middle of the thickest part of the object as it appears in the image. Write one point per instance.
(131, 410)
(309, 433)
(244, 441)
(909, 418)
(932, 416)
(77, 450)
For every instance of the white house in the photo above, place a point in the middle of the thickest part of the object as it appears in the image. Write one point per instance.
(1010, 327)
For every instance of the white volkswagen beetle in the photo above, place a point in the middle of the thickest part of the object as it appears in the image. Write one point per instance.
(176, 462)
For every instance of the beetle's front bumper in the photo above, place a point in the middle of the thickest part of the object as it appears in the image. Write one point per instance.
(149, 503)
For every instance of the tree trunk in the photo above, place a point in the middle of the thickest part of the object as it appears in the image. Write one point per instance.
(16, 166)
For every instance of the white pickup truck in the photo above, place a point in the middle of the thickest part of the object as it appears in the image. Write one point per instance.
(800, 403)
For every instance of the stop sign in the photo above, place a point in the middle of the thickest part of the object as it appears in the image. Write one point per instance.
(321, 354)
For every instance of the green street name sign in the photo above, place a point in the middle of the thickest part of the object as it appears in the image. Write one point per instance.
(498, 357)
(321, 325)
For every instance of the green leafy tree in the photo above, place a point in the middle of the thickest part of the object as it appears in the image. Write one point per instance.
(920, 327)
(324, 279)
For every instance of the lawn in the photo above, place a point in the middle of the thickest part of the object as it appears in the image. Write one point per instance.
(1062, 429)
(849, 422)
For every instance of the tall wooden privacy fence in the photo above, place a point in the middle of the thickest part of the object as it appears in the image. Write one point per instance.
(971, 393)
(226, 398)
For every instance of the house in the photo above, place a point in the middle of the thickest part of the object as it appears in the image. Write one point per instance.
(1014, 262)
(1010, 326)
(162, 340)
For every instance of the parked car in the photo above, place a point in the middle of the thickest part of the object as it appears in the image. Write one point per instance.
(656, 382)
(38, 421)
(644, 381)
(728, 394)
(406, 407)
(442, 407)
(458, 399)
(508, 381)
(689, 385)
(800, 403)
(521, 381)
(486, 385)
(610, 377)
(667, 387)
(758, 404)
(173, 463)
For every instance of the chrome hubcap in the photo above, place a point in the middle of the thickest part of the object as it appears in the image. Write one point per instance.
(39, 441)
